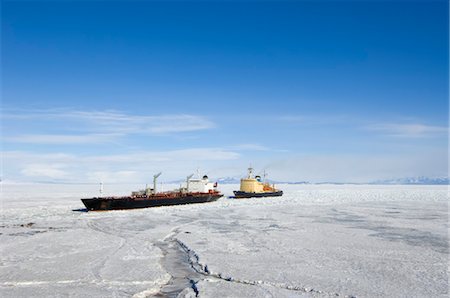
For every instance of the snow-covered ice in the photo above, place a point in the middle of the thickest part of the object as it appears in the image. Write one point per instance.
(315, 241)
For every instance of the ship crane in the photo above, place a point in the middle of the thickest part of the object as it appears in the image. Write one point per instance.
(154, 181)
(187, 181)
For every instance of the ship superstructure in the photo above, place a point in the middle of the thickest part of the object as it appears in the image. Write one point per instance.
(254, 186)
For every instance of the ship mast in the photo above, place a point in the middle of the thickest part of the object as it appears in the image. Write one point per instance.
(250, 172)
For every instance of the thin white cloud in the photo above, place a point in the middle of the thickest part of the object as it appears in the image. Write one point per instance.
(314, 119)
(138, 124)
(113, 176)
(413, 130)
(53, 171)
(95, 126)
(293, 118)
(62, 139)
(131, 167)
(177, 124)
(198, 154)
(249, 147)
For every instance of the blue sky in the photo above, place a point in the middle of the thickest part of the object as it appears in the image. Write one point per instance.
(348, 91)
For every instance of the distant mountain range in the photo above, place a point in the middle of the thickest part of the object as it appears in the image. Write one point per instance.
(416, 181)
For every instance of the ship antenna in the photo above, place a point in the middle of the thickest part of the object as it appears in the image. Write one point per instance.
(264, 175)
(101, 187)
(154, 181)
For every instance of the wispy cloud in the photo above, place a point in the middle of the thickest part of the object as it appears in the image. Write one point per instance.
(133, 166)
(53, 171)
(139, 124)
(411, 130)
(293, 118)
(62, 139)
(76, 126)
(113, 176)
(315, 119)
(249, 147)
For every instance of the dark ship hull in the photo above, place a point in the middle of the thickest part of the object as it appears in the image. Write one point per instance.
(242, 194)
(118, 203)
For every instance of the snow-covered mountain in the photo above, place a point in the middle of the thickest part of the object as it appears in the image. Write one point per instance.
(416, 181)
(228, 180)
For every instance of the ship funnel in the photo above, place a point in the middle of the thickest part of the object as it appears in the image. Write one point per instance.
(154, 181)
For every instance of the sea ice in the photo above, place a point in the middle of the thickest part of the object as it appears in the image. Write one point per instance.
(315, 241)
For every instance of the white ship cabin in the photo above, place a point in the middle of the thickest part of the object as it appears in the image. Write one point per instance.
(200, 185)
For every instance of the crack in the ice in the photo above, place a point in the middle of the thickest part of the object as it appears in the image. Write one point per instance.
(202, 269)
(175, 262)
(193, 261)
(194, 287)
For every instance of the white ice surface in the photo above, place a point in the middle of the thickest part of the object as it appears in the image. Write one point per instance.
(315, 241)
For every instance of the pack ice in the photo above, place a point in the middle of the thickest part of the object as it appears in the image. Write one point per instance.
(315, 241)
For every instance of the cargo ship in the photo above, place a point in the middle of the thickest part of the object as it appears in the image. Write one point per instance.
(198, 190)
(254, 187)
